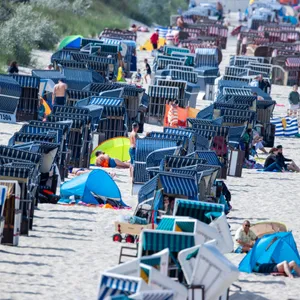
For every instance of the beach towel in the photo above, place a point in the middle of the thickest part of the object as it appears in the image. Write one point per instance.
(285, 126)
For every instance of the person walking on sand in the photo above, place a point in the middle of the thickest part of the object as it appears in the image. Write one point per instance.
(133, 137)
(148, 70)
(154, 39)
(59, 93)
(244, 238)
(294, 100)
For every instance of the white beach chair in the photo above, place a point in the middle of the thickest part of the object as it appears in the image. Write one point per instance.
(13, 213)
(208, 273)
(158, 281)
(3, 191)
(159, 261)
(221, 225)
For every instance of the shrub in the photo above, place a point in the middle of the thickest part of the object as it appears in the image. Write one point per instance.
(25, 31)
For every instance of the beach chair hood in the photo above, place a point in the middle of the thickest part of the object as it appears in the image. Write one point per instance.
(87, 186)
(272, 248)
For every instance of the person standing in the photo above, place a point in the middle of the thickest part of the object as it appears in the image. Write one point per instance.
(13, 68)
(154, 39)
(180, 23)
(173, 114)
(148, 70)
(133, 136)
(294, 101)
(59, 93)
(244, 238)
(246, 142)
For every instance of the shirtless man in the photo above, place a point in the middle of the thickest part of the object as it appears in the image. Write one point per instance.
(103, 160)
(133, 136)
(59, 93)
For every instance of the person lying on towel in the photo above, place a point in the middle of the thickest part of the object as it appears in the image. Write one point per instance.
(103, 160)
(244, 238)
(284, 268)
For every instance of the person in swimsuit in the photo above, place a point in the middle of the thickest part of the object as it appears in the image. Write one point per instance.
(283, 267)
(132, 137)
(59, 93)
(103, 160)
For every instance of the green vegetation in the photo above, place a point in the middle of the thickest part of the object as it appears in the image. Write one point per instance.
(29, 24)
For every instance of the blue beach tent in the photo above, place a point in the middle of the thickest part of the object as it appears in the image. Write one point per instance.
(90, 186)
(271, 248)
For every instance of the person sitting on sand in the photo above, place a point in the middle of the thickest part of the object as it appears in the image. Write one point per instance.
(244, 238)
(284, 267)
(103, 160)
(257, 142)
(281, 160)
(271, 162)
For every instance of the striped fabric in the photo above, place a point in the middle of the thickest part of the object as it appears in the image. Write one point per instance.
(27, 137)
(202, 143)
(27, 81)
(72, 64)
(168, 50)
(20, 171)
(235, 71)
(61, 55)
(62, 126)
(170, 93)
(129, 90)
(158, 240)
(184, 75)
(181, 68)
(48, 74)
(206, 57)
(76, 122)
(189, 57)
(113, 284)
(285, 126)
(31, 129)
(70, 110)
(196, 209)
(220, 131)
(247, 114)
(80, 56)
(174, 83)
(166, 224)
(208, 134)
(210, 157)
(107, 101)
(162, 63)
(181, 161)
(148, 189)
(19, 154)
(292, 62)
(231, 106)
(179, 131)
(199, 121)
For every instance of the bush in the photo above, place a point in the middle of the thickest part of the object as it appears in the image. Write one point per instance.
(25, 31)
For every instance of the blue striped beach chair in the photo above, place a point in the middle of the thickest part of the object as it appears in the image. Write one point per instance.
(170, 49)
(210, 157)
(12, 213)
(180, 131)
(206, 57)
(29, 100)
(181, 84)
(181, 68)
(23, 173)
(159, 96)
(190, 57)
(143, 148)
(181, 140)
(132, 96)
(162, 63)
(115, 284)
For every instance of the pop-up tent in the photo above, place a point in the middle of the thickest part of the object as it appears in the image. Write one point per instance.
(272, 248)
(96, 187)
(71, 41)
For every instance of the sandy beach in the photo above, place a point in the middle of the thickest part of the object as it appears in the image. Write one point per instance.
(70, 245)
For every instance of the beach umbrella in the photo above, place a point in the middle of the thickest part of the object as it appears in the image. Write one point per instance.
(117, 148)
(271, 248)
(71, 41)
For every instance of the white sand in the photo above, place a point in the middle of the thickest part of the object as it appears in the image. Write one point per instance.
(69, 246)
